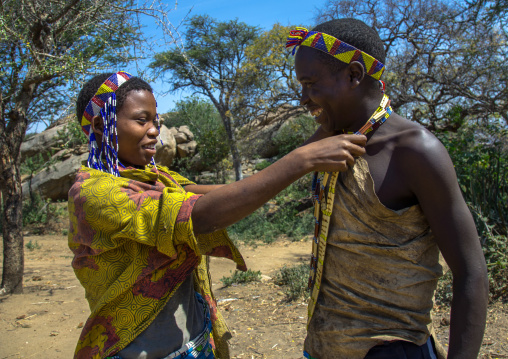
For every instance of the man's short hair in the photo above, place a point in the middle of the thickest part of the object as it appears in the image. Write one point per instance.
(354, 32)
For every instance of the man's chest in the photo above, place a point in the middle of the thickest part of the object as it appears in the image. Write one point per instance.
(389, 177)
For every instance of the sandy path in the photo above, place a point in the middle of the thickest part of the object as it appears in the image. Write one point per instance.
(45, 321)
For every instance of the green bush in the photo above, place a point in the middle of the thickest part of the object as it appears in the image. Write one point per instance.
(295, 280)
(287, 221)
(209, 133)
(262, 165)
(32, 165)
(496, 256)
(42, 215)
(35, 210)
(293, 133)
(444, 291)
(480, 157)
(72, 135)
(241, 277)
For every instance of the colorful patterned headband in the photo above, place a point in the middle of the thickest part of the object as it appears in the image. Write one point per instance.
(338, 49)
(104, 104)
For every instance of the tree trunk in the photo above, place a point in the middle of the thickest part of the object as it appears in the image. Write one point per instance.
(12, 134)
(237, 161)
(12, 223)
(230, 131)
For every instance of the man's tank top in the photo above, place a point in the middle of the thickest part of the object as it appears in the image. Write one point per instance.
(380, 272)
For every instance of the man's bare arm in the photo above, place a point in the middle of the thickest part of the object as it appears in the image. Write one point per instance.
(432, 178)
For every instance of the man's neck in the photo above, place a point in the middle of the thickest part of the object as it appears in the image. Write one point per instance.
(363, 112)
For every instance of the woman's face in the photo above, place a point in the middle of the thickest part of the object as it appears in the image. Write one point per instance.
(137, 129)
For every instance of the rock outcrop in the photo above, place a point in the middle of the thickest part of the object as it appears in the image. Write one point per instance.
(55, 181)
(261, 142)
(166, 152)
(42, 143)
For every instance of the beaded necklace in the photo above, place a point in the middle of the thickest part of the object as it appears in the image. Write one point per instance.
(324, 210)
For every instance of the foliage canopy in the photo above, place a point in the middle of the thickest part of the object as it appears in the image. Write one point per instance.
(209, 65)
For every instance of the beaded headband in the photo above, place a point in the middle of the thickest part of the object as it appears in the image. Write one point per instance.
(104, 104)
(338, 49)
(103, 94)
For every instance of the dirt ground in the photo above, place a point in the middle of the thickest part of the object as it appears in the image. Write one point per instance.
(46, 320)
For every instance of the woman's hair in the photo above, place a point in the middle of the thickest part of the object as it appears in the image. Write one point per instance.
(104, 157)
(91, 86)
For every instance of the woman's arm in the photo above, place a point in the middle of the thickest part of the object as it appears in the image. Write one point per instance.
(202, 188)
(228, 204)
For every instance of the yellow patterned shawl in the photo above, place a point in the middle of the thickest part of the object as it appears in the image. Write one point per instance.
(133, 246)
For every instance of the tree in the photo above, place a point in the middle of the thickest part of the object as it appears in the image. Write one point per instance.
(209, 65)
(444, 66)
(493, 9)
(45, 46)
(205, 123)
(269, 74)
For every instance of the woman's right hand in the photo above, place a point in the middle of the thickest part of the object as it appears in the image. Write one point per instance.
(334, 153)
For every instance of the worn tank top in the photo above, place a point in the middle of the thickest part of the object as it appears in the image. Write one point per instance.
(380, 272)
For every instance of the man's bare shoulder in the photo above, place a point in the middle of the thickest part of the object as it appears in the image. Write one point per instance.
(418, 152)
(413, 141)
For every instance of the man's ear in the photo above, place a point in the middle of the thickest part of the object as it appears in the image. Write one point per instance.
(356, 73)
(97, 125)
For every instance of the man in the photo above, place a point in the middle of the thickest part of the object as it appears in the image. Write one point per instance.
(382, 223)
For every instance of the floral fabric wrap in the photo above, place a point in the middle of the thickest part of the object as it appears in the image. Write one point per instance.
(133, 246)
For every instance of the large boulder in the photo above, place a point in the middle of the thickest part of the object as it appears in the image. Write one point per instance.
(186, 149)
(258, 138)
(55, 181)
(187, 132)
(42, 143)
(166, 152)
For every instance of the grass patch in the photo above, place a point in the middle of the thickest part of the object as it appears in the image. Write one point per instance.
(32, 245)
(295, 281)
(239, 277)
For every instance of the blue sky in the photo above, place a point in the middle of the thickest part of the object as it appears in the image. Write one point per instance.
(261, 13)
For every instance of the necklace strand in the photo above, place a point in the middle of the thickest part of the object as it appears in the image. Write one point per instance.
(323, 206)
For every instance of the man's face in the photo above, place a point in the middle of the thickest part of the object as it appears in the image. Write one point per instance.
(323, 92)
(137, 129)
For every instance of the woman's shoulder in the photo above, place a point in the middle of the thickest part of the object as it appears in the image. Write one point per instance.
(174, 176)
